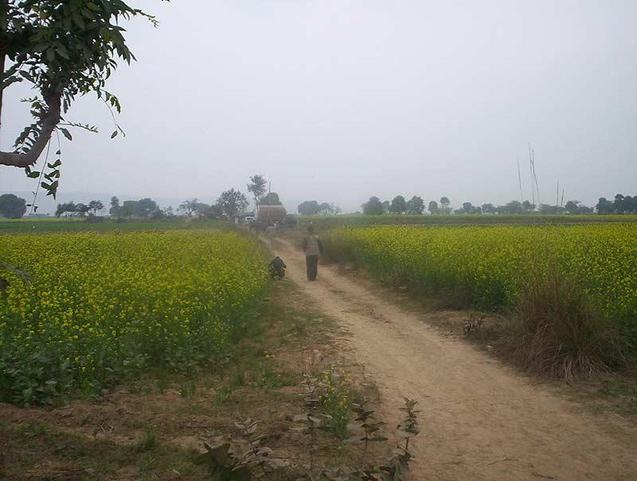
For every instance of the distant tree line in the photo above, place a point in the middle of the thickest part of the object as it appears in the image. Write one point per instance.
(398, 205)
(623, 204)
(416, 206)
(79, 209)
(145, 208)
(312, 207)
(230, 204)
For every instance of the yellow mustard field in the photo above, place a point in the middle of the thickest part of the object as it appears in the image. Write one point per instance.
(84, 310)
(489, 264)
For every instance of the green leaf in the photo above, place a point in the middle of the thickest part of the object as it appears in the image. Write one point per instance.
(61, 51)
(33, 175)
(66, 133)
(55, 164)
(114, 134)
(27, 76)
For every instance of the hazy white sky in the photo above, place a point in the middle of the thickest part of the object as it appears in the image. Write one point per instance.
(337, 100)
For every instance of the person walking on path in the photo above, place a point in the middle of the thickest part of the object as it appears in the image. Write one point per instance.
(313, 248)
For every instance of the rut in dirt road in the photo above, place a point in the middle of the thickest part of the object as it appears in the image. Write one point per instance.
(480, 420)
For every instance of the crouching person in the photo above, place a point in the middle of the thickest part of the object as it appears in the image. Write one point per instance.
(277, 268)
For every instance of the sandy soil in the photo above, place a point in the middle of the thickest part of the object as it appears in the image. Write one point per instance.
(480, 419)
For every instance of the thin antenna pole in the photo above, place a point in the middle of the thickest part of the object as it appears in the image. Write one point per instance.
(557, 194)
(531, 172)
(520, 181)
(537, 184)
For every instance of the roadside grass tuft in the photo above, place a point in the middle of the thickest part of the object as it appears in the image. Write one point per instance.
(148, 439)
(558, 333)
(188, 389)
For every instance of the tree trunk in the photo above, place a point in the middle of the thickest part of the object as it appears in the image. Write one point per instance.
(2, 57)
(49, 122)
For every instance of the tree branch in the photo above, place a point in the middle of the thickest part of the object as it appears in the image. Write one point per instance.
(4, 6)
(50, 120)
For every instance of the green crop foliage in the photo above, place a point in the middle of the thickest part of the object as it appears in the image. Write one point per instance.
(80, 311)
(490, 264)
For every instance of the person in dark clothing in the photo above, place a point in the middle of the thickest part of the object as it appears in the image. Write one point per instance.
(313, 248)
(277, 268)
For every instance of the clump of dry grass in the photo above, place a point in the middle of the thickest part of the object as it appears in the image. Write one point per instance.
(559, 333)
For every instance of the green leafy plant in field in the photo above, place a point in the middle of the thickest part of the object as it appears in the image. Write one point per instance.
(243, 458)
(371, 427)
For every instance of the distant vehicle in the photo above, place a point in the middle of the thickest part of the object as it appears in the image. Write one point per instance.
(270, 215)
(249, 218)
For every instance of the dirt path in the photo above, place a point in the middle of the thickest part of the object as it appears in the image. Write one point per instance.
(480, 420)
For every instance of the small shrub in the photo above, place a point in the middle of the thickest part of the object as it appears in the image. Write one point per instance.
(367, 421)
(222, 395)
(473, 324)
(267, 377)
(560, 334)
(237, 378)
(336, 400)
(148, 439)
(163, 381)
(188, 389)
